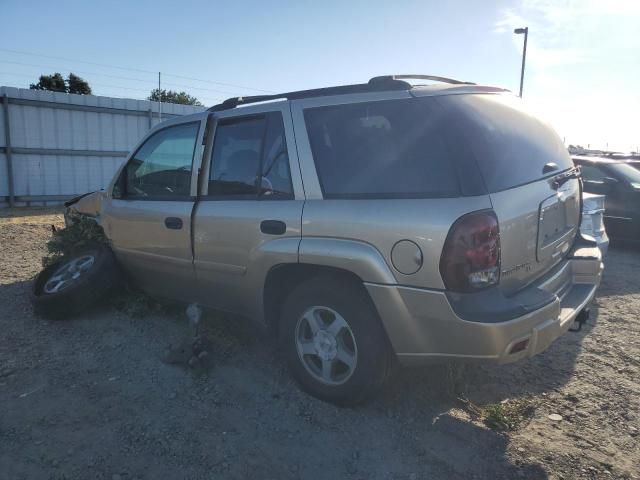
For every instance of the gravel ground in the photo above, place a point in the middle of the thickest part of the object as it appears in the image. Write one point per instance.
(92, 398)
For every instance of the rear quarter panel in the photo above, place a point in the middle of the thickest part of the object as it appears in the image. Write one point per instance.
(383, 223)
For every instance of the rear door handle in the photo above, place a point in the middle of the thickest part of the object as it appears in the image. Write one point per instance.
(174, 223)
(273, 227)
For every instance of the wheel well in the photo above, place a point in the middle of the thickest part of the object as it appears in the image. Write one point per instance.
(281, 279)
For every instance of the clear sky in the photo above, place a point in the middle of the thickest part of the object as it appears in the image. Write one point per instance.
(583, 63)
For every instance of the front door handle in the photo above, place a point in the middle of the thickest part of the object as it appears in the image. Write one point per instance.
(174, 223)
(273, 227)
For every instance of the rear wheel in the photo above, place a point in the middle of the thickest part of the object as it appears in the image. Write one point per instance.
(74, 283)
(335, 345)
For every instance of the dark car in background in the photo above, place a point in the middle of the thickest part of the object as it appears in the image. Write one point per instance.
(620, 182)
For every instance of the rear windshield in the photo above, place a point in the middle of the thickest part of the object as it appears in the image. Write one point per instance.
(385, 149)
(510, 145)
(429, 146)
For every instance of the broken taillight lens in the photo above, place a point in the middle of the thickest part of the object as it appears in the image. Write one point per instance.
(471, 255)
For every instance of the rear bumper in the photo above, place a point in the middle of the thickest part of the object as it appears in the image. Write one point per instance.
(424, 326)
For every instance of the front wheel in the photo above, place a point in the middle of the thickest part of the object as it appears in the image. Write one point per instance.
(74, 283)
(333, 340)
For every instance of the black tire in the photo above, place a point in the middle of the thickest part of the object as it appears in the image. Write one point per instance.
(92, 286)
(374, 354)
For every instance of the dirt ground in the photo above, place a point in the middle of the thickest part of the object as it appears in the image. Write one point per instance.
(92, 398)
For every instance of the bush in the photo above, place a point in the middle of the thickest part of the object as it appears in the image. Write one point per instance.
(507, 415)
(69, 240)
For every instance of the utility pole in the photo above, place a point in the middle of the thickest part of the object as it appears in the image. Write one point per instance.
(519, 31)
(160, 99)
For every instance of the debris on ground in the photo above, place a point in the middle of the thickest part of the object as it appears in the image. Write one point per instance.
(195, 353)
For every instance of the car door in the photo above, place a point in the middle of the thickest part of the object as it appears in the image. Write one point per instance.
(148, 218)
(248, 217)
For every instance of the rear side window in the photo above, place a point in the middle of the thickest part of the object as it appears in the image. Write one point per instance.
(385, 149)
(510, 145)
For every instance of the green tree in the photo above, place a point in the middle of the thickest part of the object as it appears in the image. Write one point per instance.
(77, 85)
(54, 83)
(169, 96)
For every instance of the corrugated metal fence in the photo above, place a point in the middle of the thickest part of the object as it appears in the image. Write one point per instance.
(55, 145)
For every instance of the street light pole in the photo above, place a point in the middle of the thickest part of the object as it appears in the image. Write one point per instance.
(519, 31)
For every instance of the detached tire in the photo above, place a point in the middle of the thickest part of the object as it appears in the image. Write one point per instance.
(333, 340)
(74, 283)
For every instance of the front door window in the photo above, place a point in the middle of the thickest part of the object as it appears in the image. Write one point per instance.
(161, 167)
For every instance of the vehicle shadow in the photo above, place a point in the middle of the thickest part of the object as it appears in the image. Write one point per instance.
(438, 429)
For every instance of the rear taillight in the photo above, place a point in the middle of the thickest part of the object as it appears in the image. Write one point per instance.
(471, 256)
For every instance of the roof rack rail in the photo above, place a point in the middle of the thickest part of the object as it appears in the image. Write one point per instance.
(434, 78)
(376, 84)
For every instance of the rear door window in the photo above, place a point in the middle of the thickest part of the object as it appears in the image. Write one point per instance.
(250, 158)
(236, 157)
(384, 149)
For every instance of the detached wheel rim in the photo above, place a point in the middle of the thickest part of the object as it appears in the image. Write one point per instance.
(68, 273)
(326, 345)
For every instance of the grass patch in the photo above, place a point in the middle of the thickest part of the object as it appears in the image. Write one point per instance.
(136, 304)
(507, 415)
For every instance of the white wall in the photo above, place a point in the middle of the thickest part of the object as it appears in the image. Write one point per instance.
(76, 135)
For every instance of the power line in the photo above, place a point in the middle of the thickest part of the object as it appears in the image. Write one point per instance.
(219, 83)
(74, 70)
(104, 85)
(19, 52)
(72, 60)
(191, 87)
(84, 72)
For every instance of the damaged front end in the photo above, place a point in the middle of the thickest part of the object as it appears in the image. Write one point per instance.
(87, 205)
